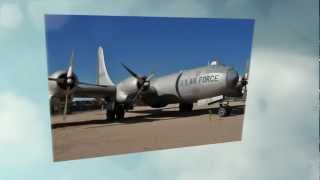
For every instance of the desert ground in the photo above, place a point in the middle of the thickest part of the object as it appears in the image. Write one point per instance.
(87, 134)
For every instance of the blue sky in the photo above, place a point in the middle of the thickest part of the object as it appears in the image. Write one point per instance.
(281, 124)
(171, 44)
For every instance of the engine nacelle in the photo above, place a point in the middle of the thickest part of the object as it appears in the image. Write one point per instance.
(59, 85)
(126, 88)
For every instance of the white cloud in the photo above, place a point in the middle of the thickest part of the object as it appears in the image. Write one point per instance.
(276, 21)
(37, 9)
(17, 119)
(10, 16)
(176, 8)
(281, 125)
(22, 136)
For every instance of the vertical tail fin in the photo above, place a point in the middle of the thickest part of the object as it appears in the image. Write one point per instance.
(103, 77)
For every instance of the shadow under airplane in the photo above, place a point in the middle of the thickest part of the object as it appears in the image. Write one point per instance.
(150, 116)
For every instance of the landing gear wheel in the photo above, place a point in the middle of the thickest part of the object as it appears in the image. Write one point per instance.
(111, 115)
(224, 111)
(120, 112)
(189, 107)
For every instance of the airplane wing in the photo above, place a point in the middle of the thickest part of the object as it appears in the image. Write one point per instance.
(83, 90)
(65, 82)
(87, 90)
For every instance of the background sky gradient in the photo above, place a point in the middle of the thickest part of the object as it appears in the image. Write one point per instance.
(281, 125)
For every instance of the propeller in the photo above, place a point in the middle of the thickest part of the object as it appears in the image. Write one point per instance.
(65, 109)
(67, 82)
(146, 84)
(70, 82)
(70, 72)
(143, 82)
(244, 79)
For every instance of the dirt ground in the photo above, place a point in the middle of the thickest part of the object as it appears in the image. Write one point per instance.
(87, 134)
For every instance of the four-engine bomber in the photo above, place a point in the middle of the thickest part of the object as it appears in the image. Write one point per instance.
(184, 87)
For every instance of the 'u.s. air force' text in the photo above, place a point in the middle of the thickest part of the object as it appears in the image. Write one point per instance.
(202, 79)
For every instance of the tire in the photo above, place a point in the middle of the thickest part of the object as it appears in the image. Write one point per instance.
(189, 107)
(120, 113)
(110, 115)
(222, 112)
(228, 111)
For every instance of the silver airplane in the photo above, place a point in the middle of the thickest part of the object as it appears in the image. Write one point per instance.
(185, 87)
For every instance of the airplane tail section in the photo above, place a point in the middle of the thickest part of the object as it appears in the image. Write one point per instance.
(103, 77)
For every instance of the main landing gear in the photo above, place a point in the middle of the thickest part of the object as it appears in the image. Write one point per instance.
(185, 107)
(115, 112)
(224, 109)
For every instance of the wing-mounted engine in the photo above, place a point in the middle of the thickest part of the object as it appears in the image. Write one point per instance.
(242, 83)
(131, 88)
(65, 80)
(126, 88)
(59, 82)
(64, 84)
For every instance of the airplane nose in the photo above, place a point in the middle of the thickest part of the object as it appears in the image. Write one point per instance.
(232, 78)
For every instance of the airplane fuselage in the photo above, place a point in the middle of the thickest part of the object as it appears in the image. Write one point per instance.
(185, 86)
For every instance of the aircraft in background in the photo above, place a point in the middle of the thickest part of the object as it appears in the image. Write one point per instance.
(184, 87)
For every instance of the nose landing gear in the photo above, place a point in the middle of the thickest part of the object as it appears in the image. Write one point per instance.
(224, 110)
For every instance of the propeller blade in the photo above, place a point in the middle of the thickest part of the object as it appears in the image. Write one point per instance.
(137, 95)
(56, 79)
(130, 71)
(142, 80)
(69, 74)
(65, 105)
(142, 87)
(53, 79)
(244, 91)
(153, 72)
(149, 77)
(247, 71)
